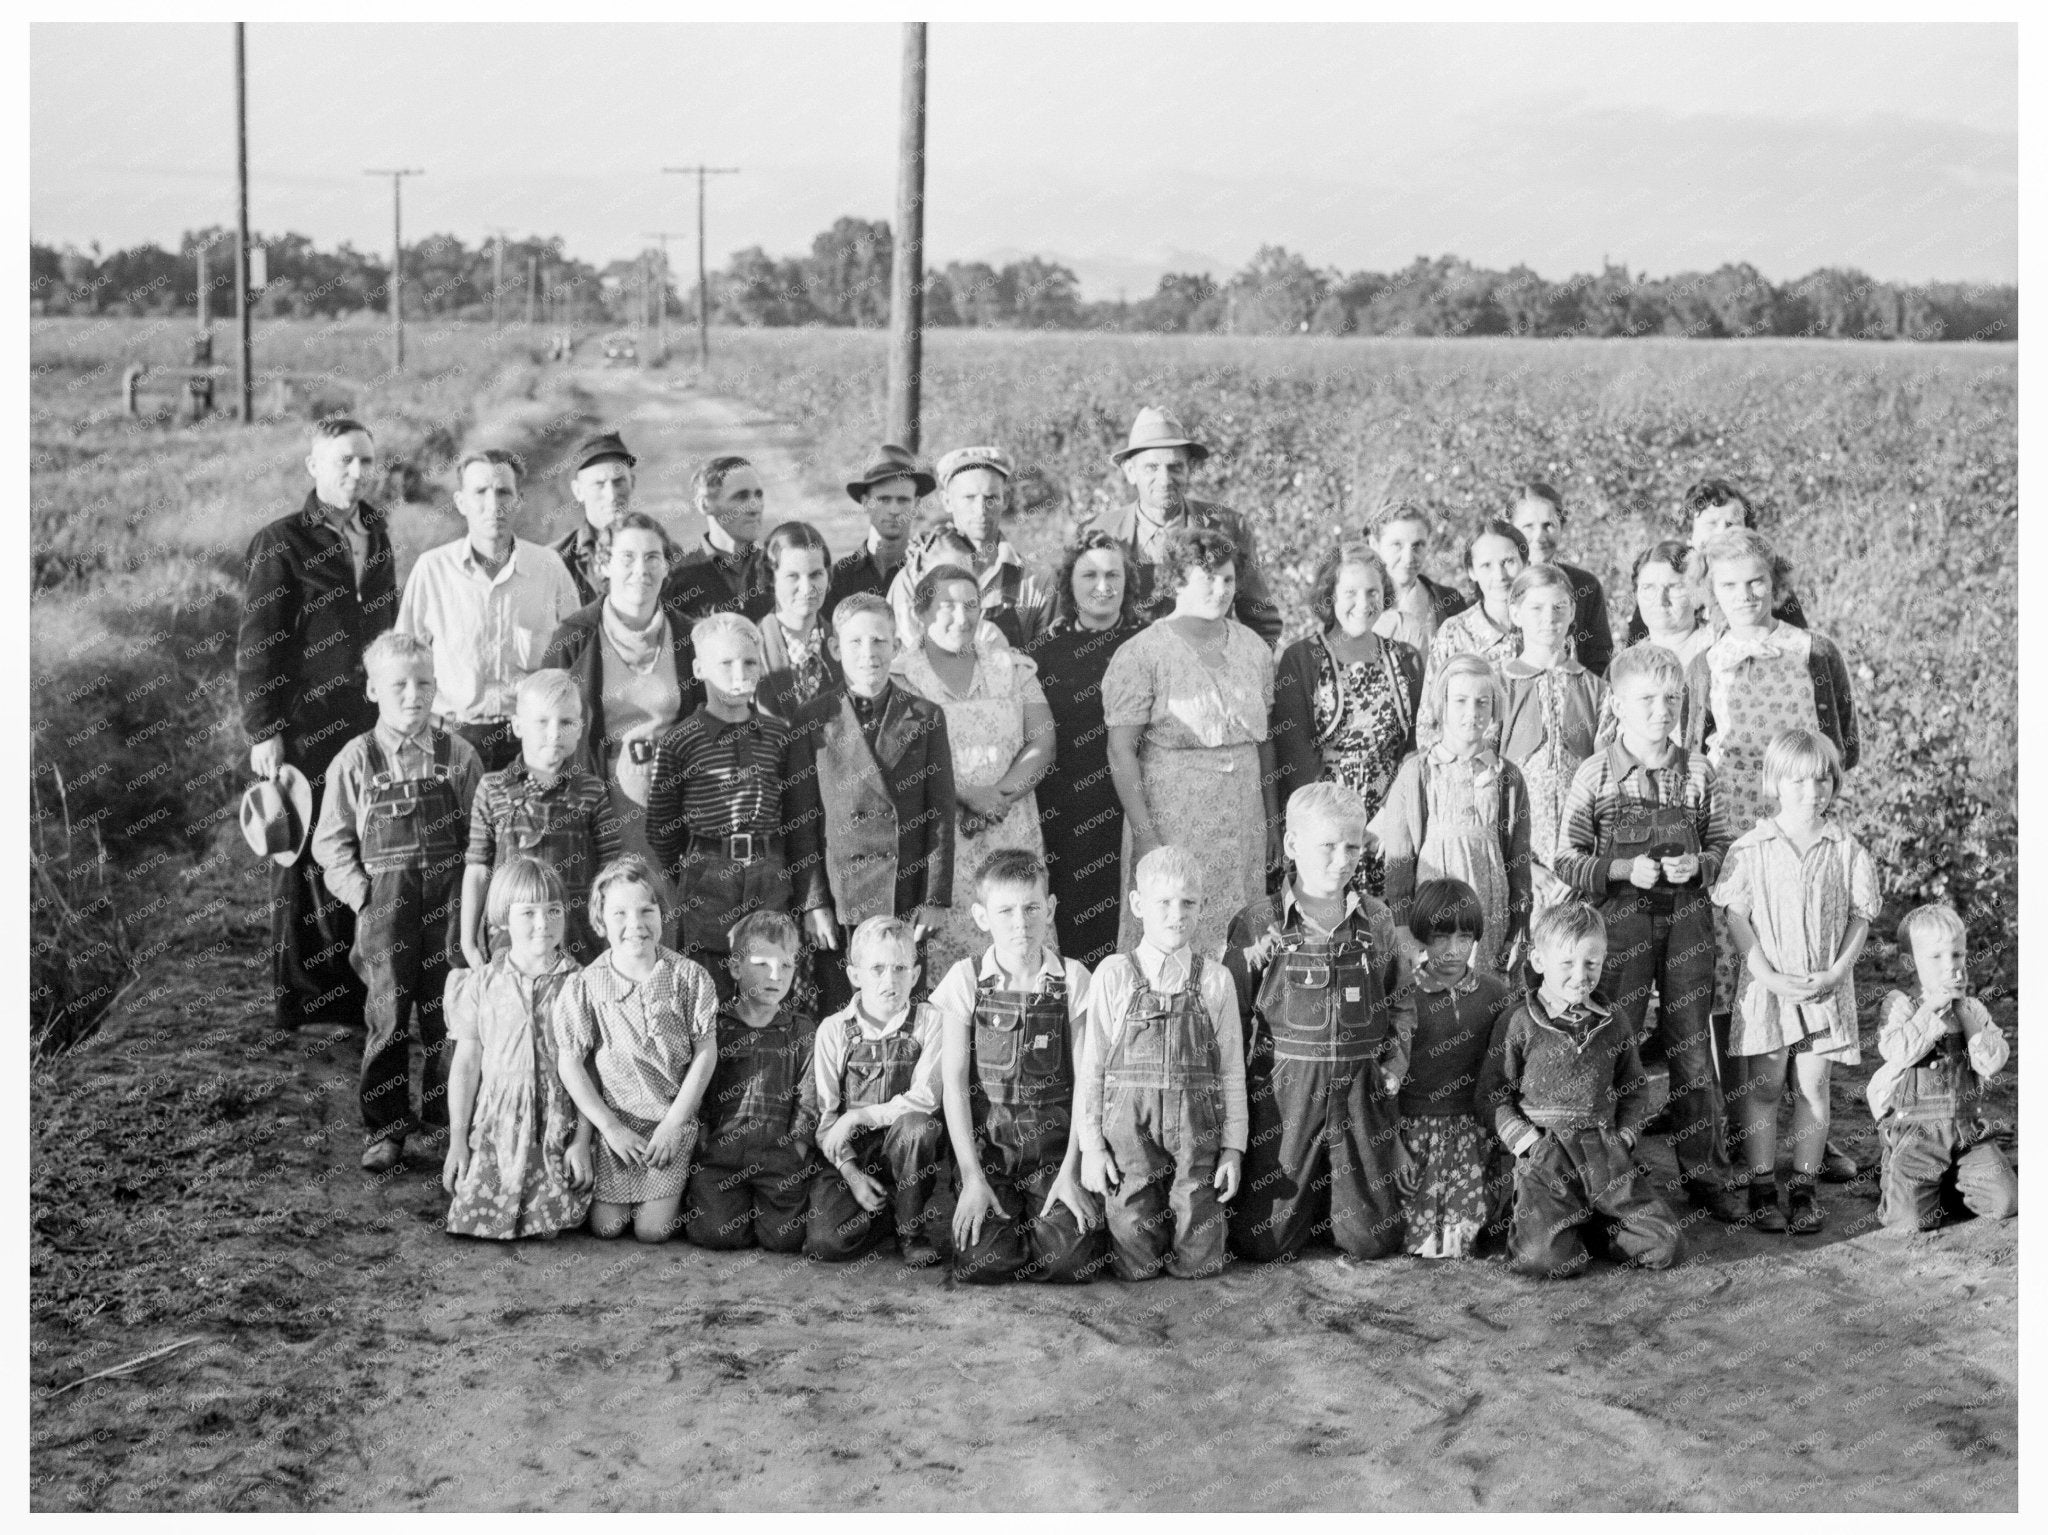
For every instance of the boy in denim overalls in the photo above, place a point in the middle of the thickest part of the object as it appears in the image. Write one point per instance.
(1161, 1103)
(876, 1067)
(1008, 1070)
(1324, 987)
(390, 845)
(755, 1162)
(1940, 1047)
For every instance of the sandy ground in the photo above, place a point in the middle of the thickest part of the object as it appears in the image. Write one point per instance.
(367, 1360)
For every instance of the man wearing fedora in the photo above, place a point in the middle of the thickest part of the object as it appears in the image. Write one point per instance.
(1157, 461)
(322, 583)
(1014, 597)
(888, 490)
(601, 480)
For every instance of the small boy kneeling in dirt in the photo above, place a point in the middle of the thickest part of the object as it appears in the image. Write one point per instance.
(1324, 986)
(876, 1066)
(1010, 1019)
(1567, 1095)
(1940, 1047)
(1161, 1105)
(755, 1160)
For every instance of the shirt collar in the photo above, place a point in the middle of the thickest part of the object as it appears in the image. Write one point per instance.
(1621, 761)
(504, 571)
(1050, 966)
(1442, 755)
(315, 513)
(1768, 830)
(600, 977)
(1595, 1013)
(731, 559)
(1290, 899)
(1165, 966)
(421, 740)
(718, 727)
(867, 1025)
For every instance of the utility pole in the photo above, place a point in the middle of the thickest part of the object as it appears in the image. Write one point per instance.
(906, 288)
(397, 257)
(248, 377)
(497, 276)
(703, 306)
(663, 236)
(532, 288)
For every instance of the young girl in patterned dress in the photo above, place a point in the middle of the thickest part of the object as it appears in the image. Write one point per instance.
(518, 1151)
(1799, 892)
(1451, 1188)
(1553, 713)
(643, 1019)
(1460, 810)
(1762, 676)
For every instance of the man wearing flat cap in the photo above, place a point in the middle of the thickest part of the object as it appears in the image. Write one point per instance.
(1157, 461)
(888, 490)
(1014, 597)
(601, 480)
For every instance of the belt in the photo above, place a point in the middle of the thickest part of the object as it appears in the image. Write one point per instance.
(739, 847)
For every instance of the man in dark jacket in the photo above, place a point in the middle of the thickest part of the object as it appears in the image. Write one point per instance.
(1156, 461)
(601, 480)
(322, 583)
(888, 490)
(728, 572)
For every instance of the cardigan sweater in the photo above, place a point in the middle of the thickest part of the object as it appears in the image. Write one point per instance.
(1297, 749)
(1402, 827)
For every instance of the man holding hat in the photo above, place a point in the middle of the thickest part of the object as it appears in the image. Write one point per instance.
(1157, 461)
(601, 480)
(322, 583)
(1014, 598)
(888, 490)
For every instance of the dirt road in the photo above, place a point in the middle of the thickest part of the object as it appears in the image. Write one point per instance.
(352, 1355)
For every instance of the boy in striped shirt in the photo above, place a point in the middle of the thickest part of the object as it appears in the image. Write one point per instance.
(1643, 840)
(714, 807)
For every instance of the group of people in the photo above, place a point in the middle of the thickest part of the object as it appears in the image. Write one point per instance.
(735, 891)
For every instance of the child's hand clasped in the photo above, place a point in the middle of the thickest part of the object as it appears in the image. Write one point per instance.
(668, 1141)
(1681, 869)
(626, 1143)
(1229, 1165)
(1644, 872)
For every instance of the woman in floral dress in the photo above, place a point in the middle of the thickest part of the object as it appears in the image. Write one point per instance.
(1001, 733)
(1344, 699)
(1187, 704)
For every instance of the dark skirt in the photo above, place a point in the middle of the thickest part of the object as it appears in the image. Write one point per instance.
(1078, 810)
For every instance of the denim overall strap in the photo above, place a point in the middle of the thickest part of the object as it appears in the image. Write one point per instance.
(1942, 1087)
(877, 1069)
(1319, 1000)
(1167, 1041)
(410, 822)
(757, 1070)
(1021, 1086)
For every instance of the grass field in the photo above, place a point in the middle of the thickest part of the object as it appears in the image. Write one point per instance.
(1887, 473)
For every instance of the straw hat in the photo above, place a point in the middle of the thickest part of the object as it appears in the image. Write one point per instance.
(890, 462)
(1154, 428)
(277, 816)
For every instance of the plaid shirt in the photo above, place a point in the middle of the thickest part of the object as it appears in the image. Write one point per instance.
(499, 794)
(1608, 778)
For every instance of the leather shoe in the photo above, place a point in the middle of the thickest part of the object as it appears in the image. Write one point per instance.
(1730, 1206)
(381, 1156)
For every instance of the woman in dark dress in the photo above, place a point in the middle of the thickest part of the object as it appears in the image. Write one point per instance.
(1083, 820)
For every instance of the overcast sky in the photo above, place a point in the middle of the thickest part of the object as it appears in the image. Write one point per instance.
(1122, 150)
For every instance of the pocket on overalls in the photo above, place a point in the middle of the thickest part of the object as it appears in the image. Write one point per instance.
(995, 1045)
(529, 830)
(1144, 1041)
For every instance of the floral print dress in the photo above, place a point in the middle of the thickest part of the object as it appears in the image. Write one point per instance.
(1463, 840)
(1757, 687)
(1553, 723)
(517, 1183)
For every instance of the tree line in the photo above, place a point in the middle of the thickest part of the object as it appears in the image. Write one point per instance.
(844, 280)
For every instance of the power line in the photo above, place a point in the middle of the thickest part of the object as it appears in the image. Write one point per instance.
(397, 257)
(703, 308)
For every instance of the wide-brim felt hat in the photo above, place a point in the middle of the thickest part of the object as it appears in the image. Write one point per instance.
(595, 449)
(891, 463)
(277, 816)
(1155, 428)
(982, 456)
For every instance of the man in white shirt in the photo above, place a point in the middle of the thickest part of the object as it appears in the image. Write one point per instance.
(488, 604)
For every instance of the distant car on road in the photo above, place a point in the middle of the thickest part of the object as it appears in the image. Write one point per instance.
(620, 348)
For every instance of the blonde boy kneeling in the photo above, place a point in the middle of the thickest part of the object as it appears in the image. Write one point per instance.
(1161, 1102)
